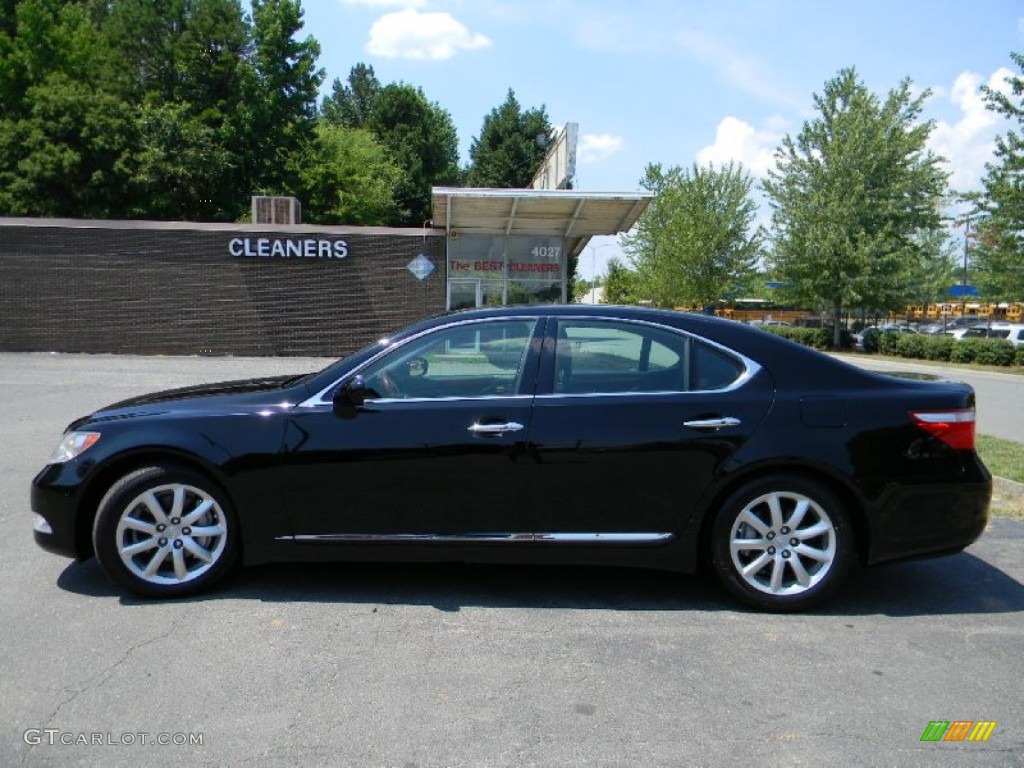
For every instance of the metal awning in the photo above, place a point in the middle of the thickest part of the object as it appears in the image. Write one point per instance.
(573, 216)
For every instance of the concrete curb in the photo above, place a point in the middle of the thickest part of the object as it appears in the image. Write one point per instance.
(1007, 488)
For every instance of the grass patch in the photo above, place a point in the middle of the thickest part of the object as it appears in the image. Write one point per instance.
(1004, 458)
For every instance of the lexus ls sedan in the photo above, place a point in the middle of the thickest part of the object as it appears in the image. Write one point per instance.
(570, 434)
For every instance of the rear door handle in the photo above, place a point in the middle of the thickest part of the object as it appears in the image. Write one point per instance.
(496, 429)
(716, 423)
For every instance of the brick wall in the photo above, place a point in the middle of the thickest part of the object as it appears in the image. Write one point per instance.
(152, 288)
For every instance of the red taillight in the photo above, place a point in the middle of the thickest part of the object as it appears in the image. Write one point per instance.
(954, 428)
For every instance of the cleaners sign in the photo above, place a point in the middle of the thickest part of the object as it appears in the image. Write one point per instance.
(298, 248)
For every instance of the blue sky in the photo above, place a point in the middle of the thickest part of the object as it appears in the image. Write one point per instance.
(677, 81)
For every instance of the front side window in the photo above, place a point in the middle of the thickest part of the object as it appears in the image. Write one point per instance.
(597, 357)
(470, 360)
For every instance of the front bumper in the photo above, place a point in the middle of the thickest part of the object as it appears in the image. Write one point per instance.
(56, 506)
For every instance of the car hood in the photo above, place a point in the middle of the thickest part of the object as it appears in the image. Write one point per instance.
(244, 394)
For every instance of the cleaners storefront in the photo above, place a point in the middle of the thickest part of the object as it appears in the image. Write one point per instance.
(509, 246)
(146, 287)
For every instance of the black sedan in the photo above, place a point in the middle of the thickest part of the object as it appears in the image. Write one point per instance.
(591, 435)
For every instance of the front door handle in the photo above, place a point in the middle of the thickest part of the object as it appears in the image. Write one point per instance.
(716, 423)
(496, 429)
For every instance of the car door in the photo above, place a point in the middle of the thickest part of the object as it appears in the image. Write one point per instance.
(436, 449)
(631, 423)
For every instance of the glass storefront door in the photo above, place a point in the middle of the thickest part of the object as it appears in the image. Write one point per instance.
(471, 293)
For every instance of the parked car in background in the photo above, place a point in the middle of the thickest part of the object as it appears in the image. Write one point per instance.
(858, 338)
(1014, 333)
(579, 434)
(769, 323)
(995, 330)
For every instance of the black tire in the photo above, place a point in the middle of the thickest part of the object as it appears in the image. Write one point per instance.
(165, 531)
(784, 567)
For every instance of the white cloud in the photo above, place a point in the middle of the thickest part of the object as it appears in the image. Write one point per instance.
(968, 142)
(409, 34)
(739, 142)
(594, 148)
(386, 3)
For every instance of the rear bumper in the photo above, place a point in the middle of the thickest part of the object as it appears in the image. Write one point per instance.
(930, 520)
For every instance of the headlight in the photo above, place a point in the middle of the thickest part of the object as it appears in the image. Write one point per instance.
(74, 444)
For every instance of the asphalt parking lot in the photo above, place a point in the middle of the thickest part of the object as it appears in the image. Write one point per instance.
(373, 665)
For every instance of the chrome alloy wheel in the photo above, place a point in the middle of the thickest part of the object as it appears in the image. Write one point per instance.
(783, 543)
(171, 534)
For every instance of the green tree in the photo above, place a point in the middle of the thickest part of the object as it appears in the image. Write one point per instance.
(695, 241)
(151, 108)
(181, 167)
(347, 177)
(422, 140)
(63, 133)
(507, 153)
(935, 269)
(621, 284)
(350, 105)
(998, 253)
(181, 62)
(280, 85)
(852, 194)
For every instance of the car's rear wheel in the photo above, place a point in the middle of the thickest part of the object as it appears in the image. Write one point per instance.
(165, 532)
(782, 543)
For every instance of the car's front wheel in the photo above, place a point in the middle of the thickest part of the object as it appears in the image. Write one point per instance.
(782, 543)
(165, 532)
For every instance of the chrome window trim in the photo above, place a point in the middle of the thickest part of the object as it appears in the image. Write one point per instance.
(476, 538)
(318, 400)
(451, 399)
(750, 367)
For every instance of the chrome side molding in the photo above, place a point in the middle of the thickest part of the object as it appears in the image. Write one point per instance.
(481, 538)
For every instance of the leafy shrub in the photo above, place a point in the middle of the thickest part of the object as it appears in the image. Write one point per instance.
(912, 345)
(889, 343)
(870, 339)
(909, 345)
(938, 347)
(793, 333)
(819, 338)
(965, 350)
(994, 352)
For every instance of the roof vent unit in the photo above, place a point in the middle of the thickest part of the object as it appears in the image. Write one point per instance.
(276, 210)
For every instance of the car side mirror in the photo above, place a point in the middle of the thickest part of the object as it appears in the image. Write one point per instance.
(349, 397)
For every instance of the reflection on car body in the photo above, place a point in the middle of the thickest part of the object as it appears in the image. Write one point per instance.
(590, 435)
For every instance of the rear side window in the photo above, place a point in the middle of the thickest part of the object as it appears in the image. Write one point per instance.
(607, 357)
(710, 368)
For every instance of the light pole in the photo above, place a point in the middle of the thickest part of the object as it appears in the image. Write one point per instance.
(593, 268)
(967, 248)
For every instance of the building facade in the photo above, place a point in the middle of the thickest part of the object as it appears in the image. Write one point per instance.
(238, 289)
(160, 288)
